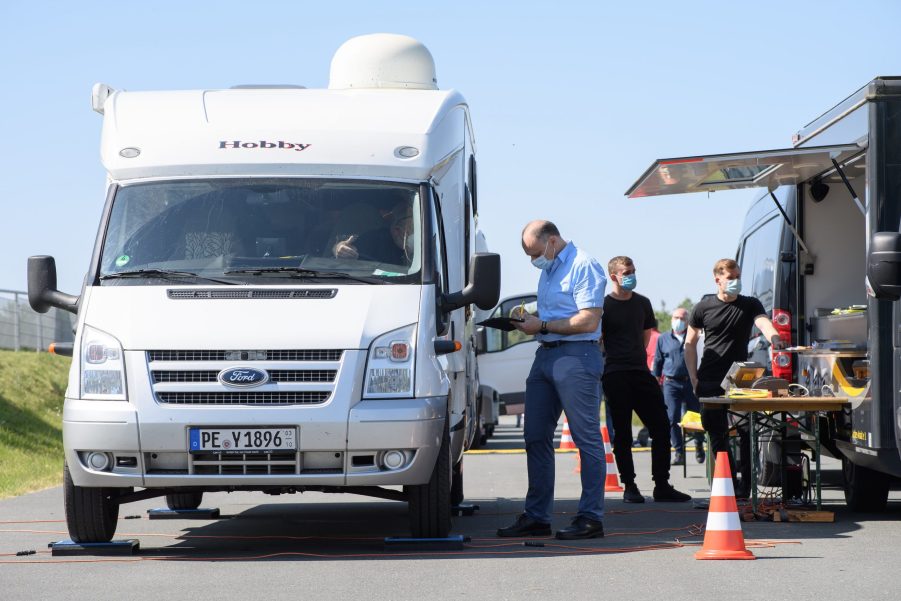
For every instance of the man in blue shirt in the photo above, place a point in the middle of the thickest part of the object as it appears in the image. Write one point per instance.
(565, 376)
(669, 364)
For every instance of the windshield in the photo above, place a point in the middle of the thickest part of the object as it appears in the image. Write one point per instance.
(271, 229)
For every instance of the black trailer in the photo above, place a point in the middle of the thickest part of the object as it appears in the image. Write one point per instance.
(821, 248)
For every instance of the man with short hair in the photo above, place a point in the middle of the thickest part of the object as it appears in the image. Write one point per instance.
(669, 368)
(565, 376)
(628, 320)
(726, 319)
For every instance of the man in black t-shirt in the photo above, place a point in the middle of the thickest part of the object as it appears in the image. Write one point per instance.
(626, 325)
(726, 318)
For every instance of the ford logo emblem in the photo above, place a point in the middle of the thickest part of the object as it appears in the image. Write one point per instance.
(243, 377)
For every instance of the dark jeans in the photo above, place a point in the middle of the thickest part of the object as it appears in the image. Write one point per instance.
(638, 391)
(679, 399)
(716, 422)
(564, 378)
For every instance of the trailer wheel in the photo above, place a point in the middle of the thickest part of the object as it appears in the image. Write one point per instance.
(184, 500)
(91, 513)
(865, 489)
(429, 504)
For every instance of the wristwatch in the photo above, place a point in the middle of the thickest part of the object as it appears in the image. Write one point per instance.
(543, 329)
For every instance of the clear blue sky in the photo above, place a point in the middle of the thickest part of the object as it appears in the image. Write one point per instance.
(571, 101)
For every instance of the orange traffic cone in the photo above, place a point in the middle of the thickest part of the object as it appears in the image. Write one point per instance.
(723, 538)
(611, 484)
(566, 437)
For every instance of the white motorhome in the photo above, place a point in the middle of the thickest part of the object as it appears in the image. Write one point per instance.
(279, 298)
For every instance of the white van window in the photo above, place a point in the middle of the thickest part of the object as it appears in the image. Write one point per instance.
(266, 228)
(499, 340)
(759, 254)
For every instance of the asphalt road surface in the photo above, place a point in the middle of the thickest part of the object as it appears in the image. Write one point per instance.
(319, 546)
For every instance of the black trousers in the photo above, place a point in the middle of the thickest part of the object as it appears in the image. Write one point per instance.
(638, 391)
(716, 422)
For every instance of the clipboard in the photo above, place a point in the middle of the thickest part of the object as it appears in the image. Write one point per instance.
(501, 323)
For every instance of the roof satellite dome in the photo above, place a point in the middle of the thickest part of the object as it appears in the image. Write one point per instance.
(383, 60)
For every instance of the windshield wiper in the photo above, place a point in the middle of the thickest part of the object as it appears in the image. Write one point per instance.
(163, 274)
(300, 272)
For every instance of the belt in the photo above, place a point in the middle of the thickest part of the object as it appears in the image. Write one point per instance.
(676, 378)
(556, 343)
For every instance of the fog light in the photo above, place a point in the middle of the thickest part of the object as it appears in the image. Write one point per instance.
(98, 461)
(393, 459)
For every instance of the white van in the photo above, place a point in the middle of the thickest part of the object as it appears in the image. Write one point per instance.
(279, 295)
(505, 358)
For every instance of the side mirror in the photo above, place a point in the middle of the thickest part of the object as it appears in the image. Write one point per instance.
(481, 340)
(42, 292)
(484, 287)
(884, 265)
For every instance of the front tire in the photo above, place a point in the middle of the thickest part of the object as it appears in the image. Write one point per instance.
(865, 489)
(184, 500)
(429, 504)
(91, 513)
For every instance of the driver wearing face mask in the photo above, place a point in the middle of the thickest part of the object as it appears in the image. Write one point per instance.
(392, 244)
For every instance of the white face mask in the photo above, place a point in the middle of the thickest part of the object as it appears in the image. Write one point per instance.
(679, 325)
(542, 262)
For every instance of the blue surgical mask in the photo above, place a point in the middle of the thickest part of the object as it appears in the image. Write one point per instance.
(733, 287)
(679, 325)
(628, 282)
(542, 262)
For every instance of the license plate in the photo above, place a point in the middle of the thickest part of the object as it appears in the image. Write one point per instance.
(242, 440)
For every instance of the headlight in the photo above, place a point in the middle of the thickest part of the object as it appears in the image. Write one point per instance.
(102, 366)
(389, 369)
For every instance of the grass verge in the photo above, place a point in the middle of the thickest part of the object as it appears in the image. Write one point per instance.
(32, 387)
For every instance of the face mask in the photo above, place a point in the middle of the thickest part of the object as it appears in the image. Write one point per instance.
(733, 287)
(679, 325)
(542, 262)
(628, 282)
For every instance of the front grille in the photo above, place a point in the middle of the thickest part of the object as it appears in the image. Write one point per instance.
(254, 293)
(280, 462)
(271, 355)
(276, 375)
(243, 398)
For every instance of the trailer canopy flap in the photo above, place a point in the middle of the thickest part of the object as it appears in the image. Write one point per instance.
(762, 169)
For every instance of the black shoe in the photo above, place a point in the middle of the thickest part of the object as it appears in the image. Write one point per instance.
(666, 492)
(679, 459)
(742, 490)
(525, 526)
(582, 527)
(632, 494)
(699, 453)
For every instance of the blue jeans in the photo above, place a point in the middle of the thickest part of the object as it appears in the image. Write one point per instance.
(675, 393)
(564, 378)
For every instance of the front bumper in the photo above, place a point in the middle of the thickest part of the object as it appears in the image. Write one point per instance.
(150, 449)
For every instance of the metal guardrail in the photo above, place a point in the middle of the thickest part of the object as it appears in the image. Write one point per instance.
(23, 329)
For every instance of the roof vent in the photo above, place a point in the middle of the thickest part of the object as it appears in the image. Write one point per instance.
(383, 60)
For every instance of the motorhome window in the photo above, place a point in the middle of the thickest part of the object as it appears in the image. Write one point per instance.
(210, 227)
